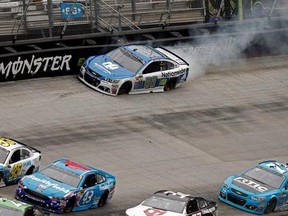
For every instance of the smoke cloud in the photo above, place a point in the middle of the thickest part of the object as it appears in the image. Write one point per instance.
(247, 39)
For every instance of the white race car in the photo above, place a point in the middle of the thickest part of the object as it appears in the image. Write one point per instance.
(16, 160)
(174, 204)
(133, 69)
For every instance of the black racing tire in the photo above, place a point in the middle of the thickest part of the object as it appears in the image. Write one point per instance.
(1, 177)
(103, 200)
(69, 206)
(270, 206)
(125, 88)
(30, 171)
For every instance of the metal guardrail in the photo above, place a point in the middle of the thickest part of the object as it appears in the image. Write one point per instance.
(29, 19)
(49, 18)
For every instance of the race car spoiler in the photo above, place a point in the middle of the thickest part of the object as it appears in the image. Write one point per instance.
(174, 56)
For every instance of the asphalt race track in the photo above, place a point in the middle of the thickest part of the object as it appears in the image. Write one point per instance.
(189, 139)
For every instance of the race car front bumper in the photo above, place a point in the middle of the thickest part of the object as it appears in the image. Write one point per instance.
(39, 200)
(243, 202)
(98, 84)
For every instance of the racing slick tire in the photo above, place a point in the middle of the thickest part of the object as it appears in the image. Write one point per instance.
(30, 171)
(270, 206)
(170, 84)
(1, 178)
(103, 199)
(125, 88)
(69, 206)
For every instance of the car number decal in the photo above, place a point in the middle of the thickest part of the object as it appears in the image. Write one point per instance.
(87, 197)
(16, 170)
(150, 82)
(154, 212)
(110, 65)
(6, 142)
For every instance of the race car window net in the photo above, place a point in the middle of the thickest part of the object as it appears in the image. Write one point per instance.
(265, 176)
(61, 175)
(126, 59)
(3, 155)
(165, 204)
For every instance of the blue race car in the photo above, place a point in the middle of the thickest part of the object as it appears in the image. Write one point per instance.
(66, 186)
(134, 69)
(261, 189)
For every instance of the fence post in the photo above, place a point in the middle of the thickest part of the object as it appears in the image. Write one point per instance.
(96, 12)
(240, 10)
(50, 17)
(133, 7)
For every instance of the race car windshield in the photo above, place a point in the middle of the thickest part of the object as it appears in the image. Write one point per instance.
(126, 59)
(165, 204)
(61, 175)
(266, 177)
(3, 155)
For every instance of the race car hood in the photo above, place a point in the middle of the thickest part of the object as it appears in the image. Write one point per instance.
(46, 186)
(251, 185)
(107, 68)
(141, 210)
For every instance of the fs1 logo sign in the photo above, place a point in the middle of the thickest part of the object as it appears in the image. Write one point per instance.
(34, 65)
(71, 10)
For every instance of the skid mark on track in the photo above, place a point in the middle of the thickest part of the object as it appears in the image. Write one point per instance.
(220, 119)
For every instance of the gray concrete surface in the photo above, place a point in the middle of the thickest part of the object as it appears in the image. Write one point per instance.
(189, 139)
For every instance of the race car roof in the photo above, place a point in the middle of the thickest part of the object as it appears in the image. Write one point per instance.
(174, 195)
(274, 166)
(9, 144)
(72, 166)
(144, 52)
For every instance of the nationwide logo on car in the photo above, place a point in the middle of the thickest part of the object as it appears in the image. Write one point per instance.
(172, 73)
(251, 184)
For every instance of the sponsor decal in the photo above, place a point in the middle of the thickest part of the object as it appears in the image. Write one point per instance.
(154, 212)
(197, 214)
(75, 165)
(34, 198)
(48, 184)
(172, 73)
(251, 184)
(33, 65)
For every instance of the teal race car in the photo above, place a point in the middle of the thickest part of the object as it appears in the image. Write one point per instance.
(261, 189)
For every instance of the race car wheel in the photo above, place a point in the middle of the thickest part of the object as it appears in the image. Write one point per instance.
(270, 206)
(30, 171)
(103, 200)
(1, 177)
(69, 206)
(170, 84)
(125, 88)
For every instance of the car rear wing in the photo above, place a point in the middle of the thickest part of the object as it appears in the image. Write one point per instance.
(172, 56)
